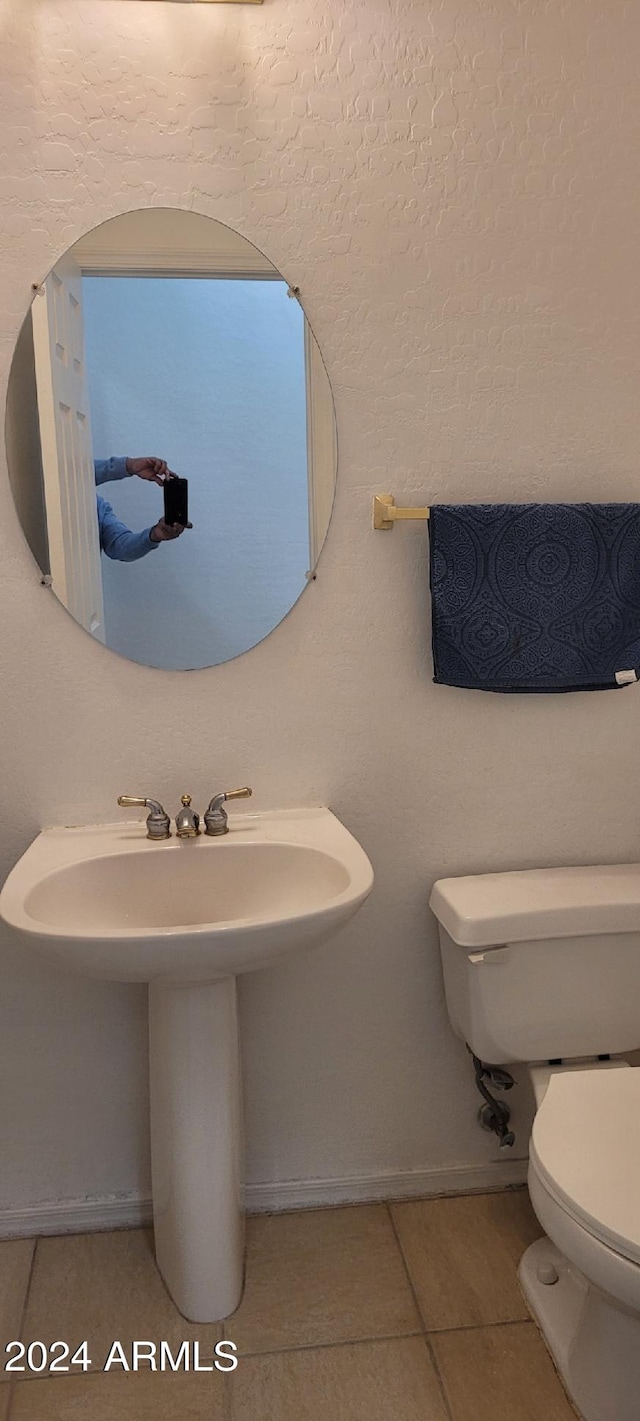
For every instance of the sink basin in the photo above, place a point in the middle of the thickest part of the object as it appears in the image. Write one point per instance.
(108, 902)
(187, 916)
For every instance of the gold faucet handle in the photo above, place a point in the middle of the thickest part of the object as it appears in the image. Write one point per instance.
(215, 819)
(158, 822)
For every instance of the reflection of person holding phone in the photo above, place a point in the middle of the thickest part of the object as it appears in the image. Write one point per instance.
(116, 540)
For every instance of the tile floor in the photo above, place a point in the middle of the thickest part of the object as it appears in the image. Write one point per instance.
(400, 1312)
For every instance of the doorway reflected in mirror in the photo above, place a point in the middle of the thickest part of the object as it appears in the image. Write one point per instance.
(165, 336)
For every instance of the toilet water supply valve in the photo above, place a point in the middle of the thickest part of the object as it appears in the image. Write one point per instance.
(494, 1114)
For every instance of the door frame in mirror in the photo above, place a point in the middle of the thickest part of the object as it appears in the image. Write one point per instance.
(245, 263)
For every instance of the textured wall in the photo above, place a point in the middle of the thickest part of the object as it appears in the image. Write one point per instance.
(452, 185)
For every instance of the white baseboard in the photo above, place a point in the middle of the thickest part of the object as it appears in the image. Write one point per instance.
(407, 1184)
(71, 1216)
(130, 1211)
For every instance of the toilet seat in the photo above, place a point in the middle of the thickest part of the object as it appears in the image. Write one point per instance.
(585, 1148)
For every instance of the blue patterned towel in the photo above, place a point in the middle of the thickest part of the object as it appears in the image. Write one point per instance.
(535, 596)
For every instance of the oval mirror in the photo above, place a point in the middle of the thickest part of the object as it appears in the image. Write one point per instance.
(164, 346)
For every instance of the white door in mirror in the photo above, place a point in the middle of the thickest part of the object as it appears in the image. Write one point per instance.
(66, 447)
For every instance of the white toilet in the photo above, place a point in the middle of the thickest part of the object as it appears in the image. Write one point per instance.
(543, 967)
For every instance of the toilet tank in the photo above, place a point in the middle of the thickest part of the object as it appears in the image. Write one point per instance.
(543, 963)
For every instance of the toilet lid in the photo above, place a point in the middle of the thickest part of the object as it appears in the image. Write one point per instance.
(585, 1145)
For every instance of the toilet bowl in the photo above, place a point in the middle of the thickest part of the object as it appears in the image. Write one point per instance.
(582, 1282)
(543, 967)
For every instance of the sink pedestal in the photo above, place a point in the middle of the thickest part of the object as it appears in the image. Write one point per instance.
(196, 1144)
(188, 916)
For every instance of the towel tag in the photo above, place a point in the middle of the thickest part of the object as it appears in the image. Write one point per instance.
(625, 678)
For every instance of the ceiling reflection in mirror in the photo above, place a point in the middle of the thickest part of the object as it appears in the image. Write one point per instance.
(165, 344)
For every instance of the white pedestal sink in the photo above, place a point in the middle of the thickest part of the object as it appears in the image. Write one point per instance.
(186, 916)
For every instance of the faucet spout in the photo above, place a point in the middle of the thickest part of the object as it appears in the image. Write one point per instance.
(187, 821)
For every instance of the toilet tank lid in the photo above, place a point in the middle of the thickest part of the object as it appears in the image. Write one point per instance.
(490, 908)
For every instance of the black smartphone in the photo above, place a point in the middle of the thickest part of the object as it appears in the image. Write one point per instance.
(176, 505)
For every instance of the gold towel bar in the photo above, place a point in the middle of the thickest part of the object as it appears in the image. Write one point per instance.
(385, 512)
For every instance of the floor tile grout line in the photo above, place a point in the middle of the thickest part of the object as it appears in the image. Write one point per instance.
(327, 1346)
(388, 1337)
(31, 1377)
(430, 1350)
(27, 1291)
(478, 1326)
(97, 1372)
(439, 1378)
(23, 1318)
(407, 1270)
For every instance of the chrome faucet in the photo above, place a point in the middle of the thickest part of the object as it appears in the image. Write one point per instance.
(215, 819)
(158, 821)
(187, 821)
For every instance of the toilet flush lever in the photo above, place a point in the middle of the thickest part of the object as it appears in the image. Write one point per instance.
(490, 955)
